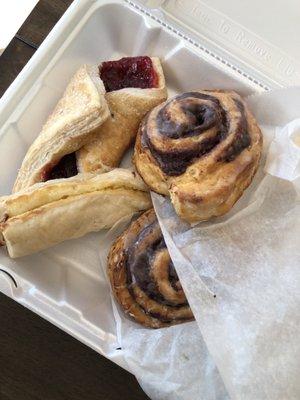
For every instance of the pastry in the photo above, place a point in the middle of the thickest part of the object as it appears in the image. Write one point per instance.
(74, 121)
(200, 148)
(134, 85)
(143, 278)
(50, 212)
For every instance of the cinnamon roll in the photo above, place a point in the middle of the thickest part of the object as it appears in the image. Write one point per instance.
(201, 148)
(134, 85)
(143, 278)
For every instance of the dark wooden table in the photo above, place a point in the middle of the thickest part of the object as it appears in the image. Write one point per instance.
(37, 360)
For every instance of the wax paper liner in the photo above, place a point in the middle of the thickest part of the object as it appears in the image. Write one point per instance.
(169, 363)
(240, 272)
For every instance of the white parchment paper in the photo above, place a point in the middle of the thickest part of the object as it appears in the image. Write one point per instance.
(241, 272)
(171, 363)
(241, 276)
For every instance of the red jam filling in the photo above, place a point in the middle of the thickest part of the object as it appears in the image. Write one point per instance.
(136, 72)
(65, 168)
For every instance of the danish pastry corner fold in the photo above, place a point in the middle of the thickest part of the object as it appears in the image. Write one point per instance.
(50, 212)
(80, 111)
(130, 96)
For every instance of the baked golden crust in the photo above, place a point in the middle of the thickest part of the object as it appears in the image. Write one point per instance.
(50, 212)
(200, 148)
(128, 107)
(143, 278)
(74, 121)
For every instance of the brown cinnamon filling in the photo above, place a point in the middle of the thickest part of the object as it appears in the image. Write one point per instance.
(196, 119)
(139, 257)
(242, 137)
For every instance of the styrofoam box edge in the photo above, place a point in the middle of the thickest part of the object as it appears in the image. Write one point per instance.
(16, 99)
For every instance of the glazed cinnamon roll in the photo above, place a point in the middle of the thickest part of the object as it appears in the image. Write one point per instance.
(143, 277)
(202, 149)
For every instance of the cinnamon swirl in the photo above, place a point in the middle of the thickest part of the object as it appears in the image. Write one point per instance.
(201, 148)
(143, 277)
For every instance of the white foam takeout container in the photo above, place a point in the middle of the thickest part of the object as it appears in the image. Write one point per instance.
(64, 284)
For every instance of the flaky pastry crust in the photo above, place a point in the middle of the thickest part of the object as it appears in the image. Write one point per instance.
(128, 107)
(50, 212)
(74, 122)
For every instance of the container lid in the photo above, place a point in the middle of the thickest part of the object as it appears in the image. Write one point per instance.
(260, 37)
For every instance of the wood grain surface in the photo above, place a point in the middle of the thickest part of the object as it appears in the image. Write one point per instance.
(37, 360)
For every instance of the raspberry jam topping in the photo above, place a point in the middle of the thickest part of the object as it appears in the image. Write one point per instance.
(66, 168)
(136, 72)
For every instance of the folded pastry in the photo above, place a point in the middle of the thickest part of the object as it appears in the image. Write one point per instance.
(134, 85)
(143, 278)
(202, 149)
(74, 121)
(50, 212)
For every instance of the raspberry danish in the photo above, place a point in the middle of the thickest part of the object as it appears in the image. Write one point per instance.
(134, 85)
(74, 122)
(143, 277)
(202, 149)
(95, 121)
